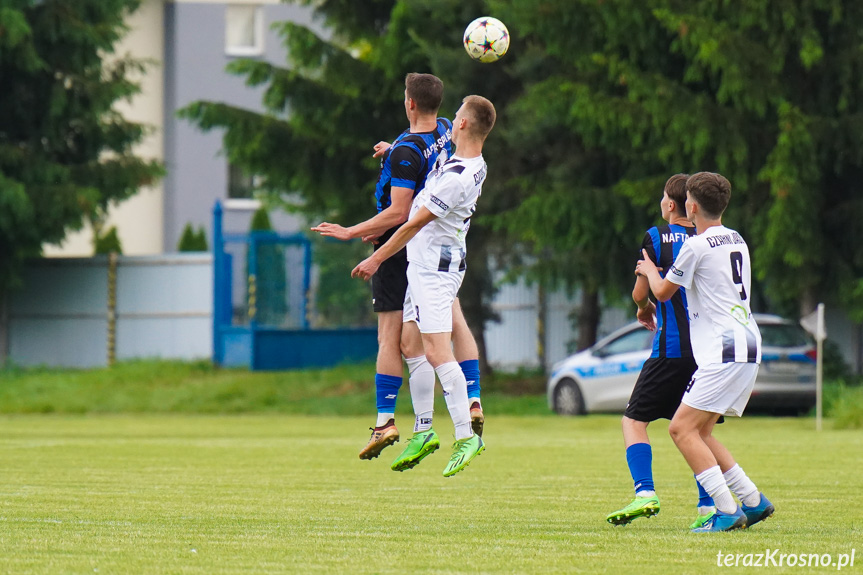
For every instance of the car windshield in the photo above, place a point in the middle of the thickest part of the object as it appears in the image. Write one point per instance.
(783, 335)
(637, 340)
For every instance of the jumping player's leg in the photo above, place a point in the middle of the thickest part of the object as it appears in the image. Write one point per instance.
(389, 286)
(424, 441)
(467, 355)
(388, 381)
(422, 376)
(433, 294)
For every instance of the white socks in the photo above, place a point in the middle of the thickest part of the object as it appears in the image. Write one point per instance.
(422, 391)
(383, 418)
(454, 386)
(743, 487)
(713, 483)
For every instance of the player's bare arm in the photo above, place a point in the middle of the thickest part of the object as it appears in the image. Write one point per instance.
(646, 314)
(396, 213)
(661, 287)
(367, 268)
(380, 148)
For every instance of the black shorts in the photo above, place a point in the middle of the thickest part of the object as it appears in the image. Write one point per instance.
(390, 282)
(659, 388)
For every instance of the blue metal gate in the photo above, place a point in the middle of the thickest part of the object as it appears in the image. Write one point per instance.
(261, 301)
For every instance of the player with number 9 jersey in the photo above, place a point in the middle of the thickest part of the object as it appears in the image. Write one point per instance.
(714, 268)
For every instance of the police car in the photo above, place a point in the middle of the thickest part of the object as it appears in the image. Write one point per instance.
(601, 378)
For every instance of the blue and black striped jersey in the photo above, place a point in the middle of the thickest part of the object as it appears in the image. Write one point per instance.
(409, 160)
(662, 244)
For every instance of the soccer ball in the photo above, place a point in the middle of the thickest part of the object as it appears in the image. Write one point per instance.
(486, 39)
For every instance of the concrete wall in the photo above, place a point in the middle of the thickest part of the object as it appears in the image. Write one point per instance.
(60, 318)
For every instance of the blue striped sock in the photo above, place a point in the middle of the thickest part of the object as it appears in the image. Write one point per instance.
(387, 387)
(470, 369)
(639, 457)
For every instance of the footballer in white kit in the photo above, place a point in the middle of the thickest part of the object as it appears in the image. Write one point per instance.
(435, 237)
(714, 268)
(436, 254)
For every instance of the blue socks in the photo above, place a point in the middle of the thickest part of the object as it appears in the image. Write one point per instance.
(704, 499)
(387, 387)
(470, 368)
(639, 457)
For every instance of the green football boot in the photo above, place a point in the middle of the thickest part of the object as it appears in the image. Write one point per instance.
(463, 452)
(701, 520)
(421, 444)
(640, 507)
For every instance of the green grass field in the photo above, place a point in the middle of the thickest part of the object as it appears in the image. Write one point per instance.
(287, 494)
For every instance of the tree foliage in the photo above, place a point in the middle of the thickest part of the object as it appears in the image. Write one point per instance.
(337, 96)
(598, 104)
(270, 298)
(65, 153)
(766, 92)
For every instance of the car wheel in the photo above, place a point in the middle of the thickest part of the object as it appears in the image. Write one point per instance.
(567, 398)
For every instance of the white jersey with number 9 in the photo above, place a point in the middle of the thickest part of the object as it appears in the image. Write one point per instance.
(714, 268)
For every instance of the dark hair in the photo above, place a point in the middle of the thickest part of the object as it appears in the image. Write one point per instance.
(483, 114)
(426, 90)
(675, 187)
(711, 191)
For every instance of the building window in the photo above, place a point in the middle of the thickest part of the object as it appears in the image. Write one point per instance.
(241, 188)
(244, 30)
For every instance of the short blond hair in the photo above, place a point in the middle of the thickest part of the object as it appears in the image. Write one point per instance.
(482, 113)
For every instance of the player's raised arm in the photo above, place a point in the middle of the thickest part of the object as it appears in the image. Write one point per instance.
(367, 268)
(661, 287)
(395, 214)
(380, 148)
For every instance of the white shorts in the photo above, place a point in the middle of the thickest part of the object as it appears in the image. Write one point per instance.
(722, 388)
(429, 298)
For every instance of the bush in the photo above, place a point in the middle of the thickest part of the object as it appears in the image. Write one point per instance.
(108, 242)
(192, 241)
(843, 403)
